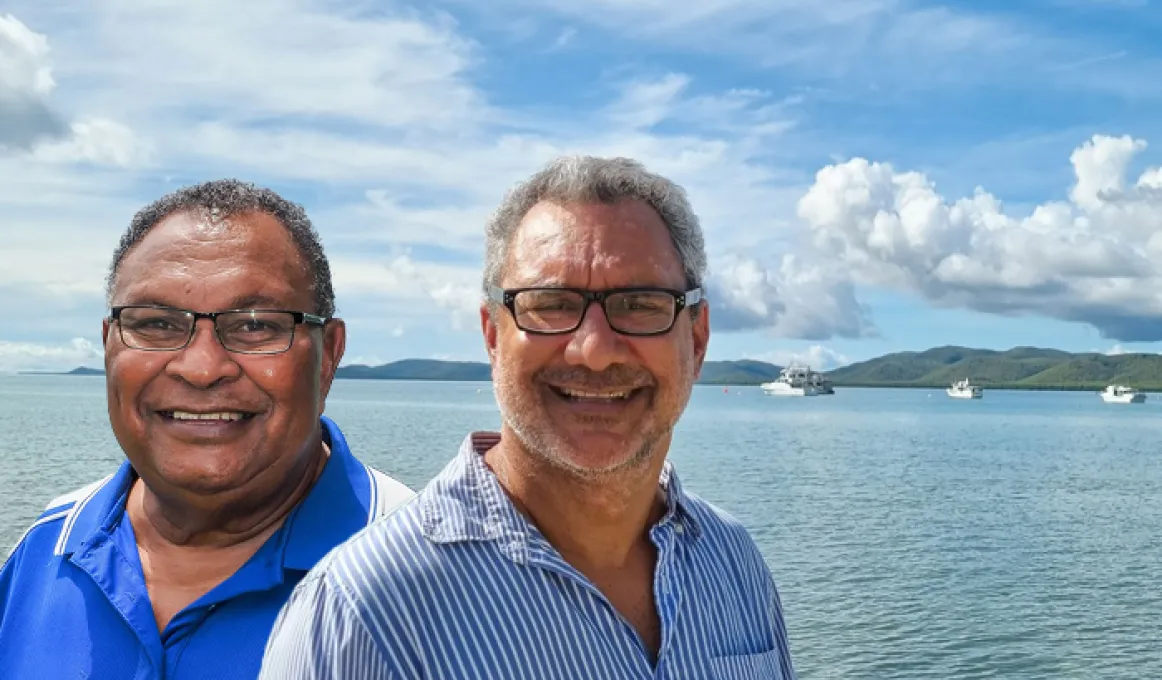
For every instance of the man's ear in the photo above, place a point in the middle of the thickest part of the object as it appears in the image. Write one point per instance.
(488, 329)
(334, 345)
(700, 329)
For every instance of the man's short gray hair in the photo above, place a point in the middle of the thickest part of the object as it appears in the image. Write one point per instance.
(226, 198)
(588, 179)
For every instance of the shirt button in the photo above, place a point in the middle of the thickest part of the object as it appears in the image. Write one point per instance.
(679, 529)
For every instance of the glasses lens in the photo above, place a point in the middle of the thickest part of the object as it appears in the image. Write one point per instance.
(256, 331)
(640, 311)
(548, 310)
(148, 328)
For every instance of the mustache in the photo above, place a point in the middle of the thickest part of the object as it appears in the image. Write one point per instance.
(617, 375)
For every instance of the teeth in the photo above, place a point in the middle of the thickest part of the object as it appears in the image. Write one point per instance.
(584, 394)
(221, 415)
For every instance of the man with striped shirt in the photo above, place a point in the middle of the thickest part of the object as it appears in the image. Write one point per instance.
(220, 349)
(564, 546)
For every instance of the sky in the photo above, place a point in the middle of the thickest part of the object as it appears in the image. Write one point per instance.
(871, 176)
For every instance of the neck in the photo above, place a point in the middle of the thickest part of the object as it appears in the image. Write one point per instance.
(597, 522)
(170, 520)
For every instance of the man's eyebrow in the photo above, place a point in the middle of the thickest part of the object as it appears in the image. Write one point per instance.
(542, 282)
(253, 301)
(243, 302)
(145, 301)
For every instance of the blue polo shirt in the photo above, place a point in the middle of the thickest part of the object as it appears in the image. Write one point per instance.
(73, 601)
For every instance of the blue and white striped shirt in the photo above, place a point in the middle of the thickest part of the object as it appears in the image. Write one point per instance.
(457, 584)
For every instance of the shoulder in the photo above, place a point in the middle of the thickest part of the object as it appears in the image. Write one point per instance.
(726, 547)
(392, 563)
(713, 518)
(378, 552)
(75, 497)
(387, 493)
(375, 574)
(49, 531)
(723, 534)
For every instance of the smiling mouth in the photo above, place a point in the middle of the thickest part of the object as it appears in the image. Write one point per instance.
(212, 417)
(608, 396)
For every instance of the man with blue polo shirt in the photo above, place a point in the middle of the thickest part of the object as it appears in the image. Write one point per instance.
(220, 350)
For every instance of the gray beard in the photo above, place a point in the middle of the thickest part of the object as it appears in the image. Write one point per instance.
(544, 449)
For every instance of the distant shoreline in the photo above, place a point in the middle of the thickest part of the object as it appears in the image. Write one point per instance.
(1019, 368)
(838, 385)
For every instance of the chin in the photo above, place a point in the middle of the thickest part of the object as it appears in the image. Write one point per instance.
(204, 479)
(596, 457)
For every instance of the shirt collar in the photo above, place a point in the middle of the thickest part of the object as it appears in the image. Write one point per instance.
(466, 502)
(99, 508)
(337, 506)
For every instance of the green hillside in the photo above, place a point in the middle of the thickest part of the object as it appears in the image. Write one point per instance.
(419, 369)
(1017, 368)
(742, 372)
(1098, 370)
(1020, 367)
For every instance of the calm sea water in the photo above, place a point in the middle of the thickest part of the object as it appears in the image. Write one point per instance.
(912, 535)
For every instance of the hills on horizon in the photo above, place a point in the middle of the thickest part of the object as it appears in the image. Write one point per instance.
(1016, 368)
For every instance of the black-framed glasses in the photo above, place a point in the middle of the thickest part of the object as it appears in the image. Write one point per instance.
(639, 311)
(156, 328)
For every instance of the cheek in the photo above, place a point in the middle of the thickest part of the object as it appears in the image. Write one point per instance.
(129, 375)
(521, 354)
(664, 359)
(290, 386)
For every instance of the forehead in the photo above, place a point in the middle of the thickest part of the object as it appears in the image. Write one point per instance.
(594, 245)
(191, 260)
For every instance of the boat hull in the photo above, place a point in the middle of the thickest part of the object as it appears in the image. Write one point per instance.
(1137, 398)
(784, 390)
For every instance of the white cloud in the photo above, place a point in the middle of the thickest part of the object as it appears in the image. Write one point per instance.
(793, 299)
(30, 122)
(443, 356)
(25, 85)
(648, 102)
(389, 219)
(96, 141)
(564, 38)
(362, 360)
(1101, 170)
(817, 357)
(25, 70)
(714, 156)
(312, 59)
(413, 289)
(25, 356)
(1092, 259)
(382, 123)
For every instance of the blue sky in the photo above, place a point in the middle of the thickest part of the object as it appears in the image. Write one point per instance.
(872, 175)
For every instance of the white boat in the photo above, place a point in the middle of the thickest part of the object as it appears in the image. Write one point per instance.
(1120, 394)
(798, 381)
(963, 389)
